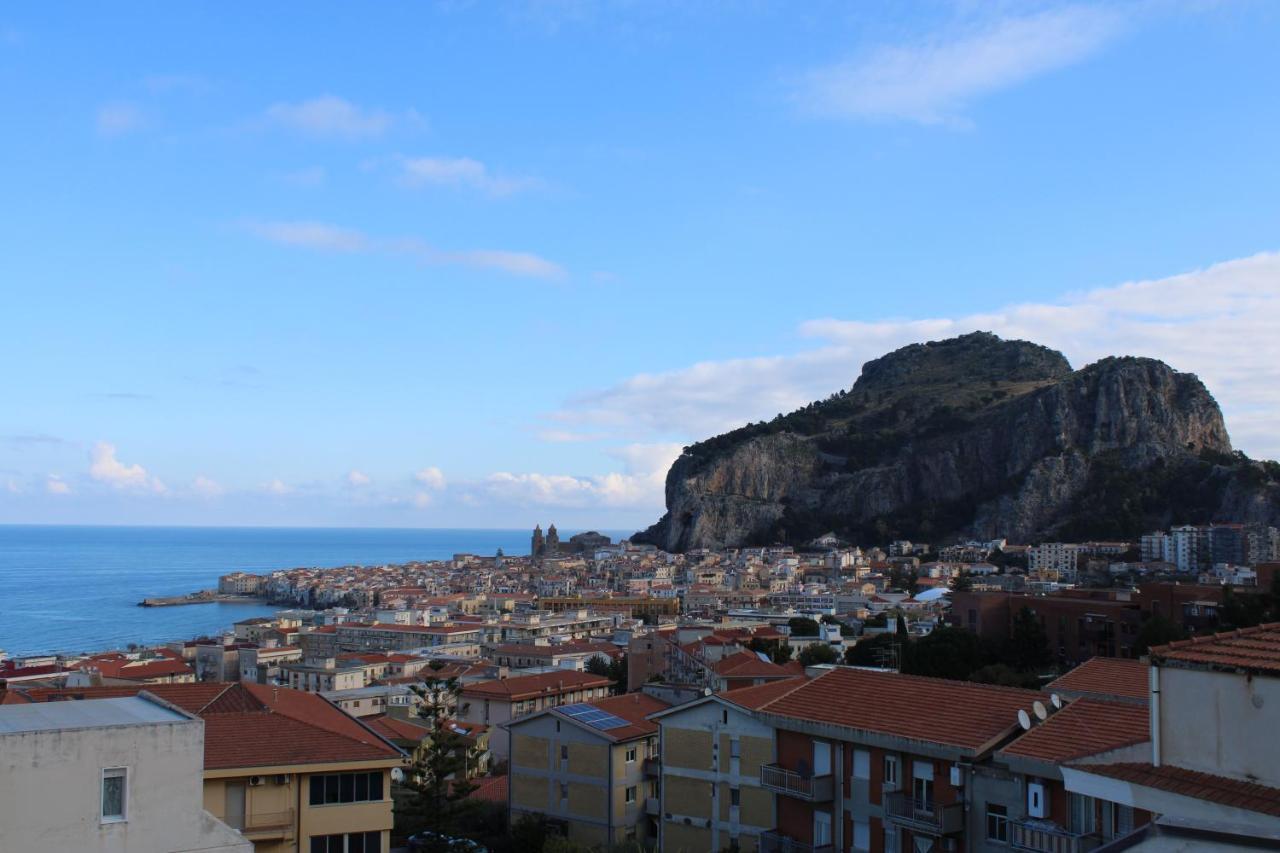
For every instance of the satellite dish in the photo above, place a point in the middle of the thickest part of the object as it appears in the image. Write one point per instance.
(1056, 701)
(1024, 720)
(1040, 710)
(706, 691)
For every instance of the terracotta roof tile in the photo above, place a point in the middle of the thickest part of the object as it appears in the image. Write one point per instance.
(1254, 650)
(523, 686)
(750, 665)
(492, 789)
(758, 695)
(634, 708)
(1105, 677)
(1190, 783)
(1084, 727)
(934, 710)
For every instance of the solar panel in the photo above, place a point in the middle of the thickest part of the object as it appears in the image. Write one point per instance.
(593, 716)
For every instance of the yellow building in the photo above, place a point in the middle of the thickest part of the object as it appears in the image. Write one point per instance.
(590, 768)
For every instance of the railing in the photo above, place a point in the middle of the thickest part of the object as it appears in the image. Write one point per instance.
(261, 823)
(652, 767)
(815, 789)
(651, 806)
(1043, 836)
(773, 841)
(903, 808)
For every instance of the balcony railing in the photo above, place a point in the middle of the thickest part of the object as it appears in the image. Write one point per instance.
(268, 823)
(815, 789)
(652, 767)
(903, 808)
(773, 841)
(652, 806)
(1042, 836)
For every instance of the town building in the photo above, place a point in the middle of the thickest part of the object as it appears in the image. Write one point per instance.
(493, 703)
(114, 775)
(590, 768)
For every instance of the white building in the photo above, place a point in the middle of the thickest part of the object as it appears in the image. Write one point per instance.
(1055, 559)
(109, 775)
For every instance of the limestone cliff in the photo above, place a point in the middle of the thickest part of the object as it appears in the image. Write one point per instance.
(973, 436)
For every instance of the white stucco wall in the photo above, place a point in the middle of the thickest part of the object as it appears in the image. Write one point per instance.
(1221, 723)
(50, 790)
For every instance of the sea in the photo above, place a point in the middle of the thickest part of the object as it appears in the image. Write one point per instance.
(76, 588)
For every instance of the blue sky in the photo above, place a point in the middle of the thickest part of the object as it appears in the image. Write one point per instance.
(474, 264)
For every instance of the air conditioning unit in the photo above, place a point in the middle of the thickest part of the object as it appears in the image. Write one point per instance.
(957, 776)
(1036, 805)
(282, 779)
(255, 781)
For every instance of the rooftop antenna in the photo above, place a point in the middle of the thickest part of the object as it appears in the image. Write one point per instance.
(1056, 701)
(1024, 720)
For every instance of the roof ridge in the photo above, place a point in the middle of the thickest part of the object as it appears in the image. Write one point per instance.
(1216, 637)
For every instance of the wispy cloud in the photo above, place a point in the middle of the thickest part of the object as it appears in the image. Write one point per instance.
(460, 172)
(431, 477)
(1218, 322)
(332, 116)
(933, 79)
(331, 238)
(206, 487)
(119, 118)
(36, 438)
(639, 485)
(358, 479)
(55, 485)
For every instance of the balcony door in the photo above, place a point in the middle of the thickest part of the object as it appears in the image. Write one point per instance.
(821, 758)
(821, 828)
(235, 792)
(922, 785)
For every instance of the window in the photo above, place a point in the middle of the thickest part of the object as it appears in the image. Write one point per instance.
(735, 796)
(351, 842)
(891, 772)
(631, 755)
(735, 748)
(922, 784)
(861, 835)
(114, 794)
(997, 823)
(334, 788)
(1082, 818)
(564, 752)
(861, 764)
(564, 791)
(631, 794)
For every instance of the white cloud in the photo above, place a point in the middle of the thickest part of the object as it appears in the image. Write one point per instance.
(276, 487)
(55, 485)
(422, 500)
(1219, 323)
(432, 478)
(311, 235)
(320, 236)
(357, 479)
(329, 115)
(203, 485)
(106, 468)
(932, 80)
(639, 485)
(119, 118)
(460, 172)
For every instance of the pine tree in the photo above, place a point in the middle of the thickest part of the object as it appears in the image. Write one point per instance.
(439, 774)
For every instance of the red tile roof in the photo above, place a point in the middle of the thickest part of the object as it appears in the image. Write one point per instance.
(1114, 677)
(1254, 650)
(253, 725)
(544, 683)
(394, 728)
(1084, 727)
(1190, 783)
(933, 710)
(491, 789)
(634, 708)
(759, 695)
(750, 665)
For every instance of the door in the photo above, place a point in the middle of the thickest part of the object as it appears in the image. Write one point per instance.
(235, 792)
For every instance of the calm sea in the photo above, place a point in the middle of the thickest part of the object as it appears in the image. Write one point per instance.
(72, 589)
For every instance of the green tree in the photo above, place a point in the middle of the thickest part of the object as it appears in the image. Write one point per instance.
(962, 582)
(817, 653)
(802, 626)
(780, 653)
(1157, 631)
(872, 651)
(597, 665)
(439, 773)
(946, 652)
(1027, 649)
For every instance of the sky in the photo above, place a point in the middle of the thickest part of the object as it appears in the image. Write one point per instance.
(492, 264)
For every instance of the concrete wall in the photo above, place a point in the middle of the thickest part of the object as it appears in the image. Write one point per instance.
(50, 791)
(1220, 723)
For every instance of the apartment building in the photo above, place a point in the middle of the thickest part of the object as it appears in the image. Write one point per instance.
(265, 666)
(590, 768)
(387, 637)
(571, 655)
(1054, 559)
(493, 703)
(713, 751)
(1211, 774)
(287, 769)
(113, 775)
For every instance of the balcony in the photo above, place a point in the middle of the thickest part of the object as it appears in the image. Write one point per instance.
(1042, 836)
(264, 825)
(905, 810)
(780, 780)
(652, 807)
(652, 768)
(773, 841)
